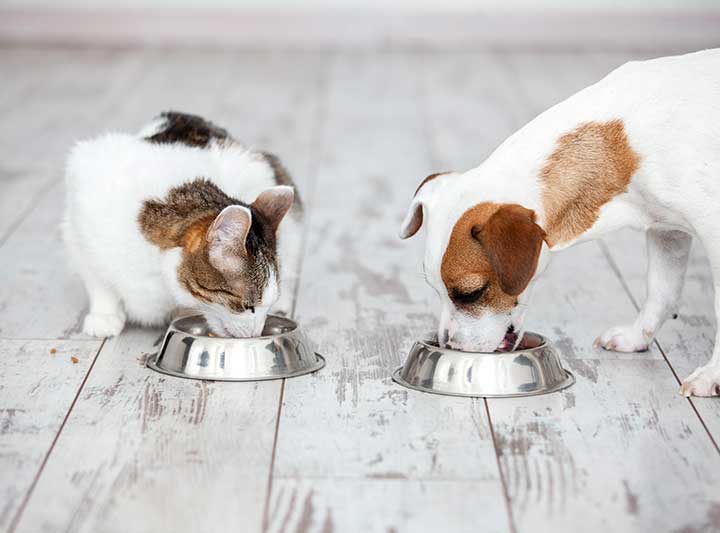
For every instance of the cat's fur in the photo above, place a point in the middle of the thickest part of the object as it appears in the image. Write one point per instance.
(180, 215)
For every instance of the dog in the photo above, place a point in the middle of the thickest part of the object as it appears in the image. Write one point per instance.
(640, 149)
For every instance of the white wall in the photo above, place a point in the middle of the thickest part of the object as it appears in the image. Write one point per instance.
(381, 5)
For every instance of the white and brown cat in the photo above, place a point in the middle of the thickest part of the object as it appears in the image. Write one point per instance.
(180, 215)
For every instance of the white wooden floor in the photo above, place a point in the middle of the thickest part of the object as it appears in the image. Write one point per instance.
(92, 441)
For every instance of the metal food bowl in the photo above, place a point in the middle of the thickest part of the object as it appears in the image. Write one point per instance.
(189, 351)
(532, 369)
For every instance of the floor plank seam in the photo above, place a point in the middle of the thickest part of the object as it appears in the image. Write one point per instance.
(320, 120)
(44, 190)
(16, 519)
(690, 400)
(626, 287)
(503, 482)
(616, 270)
(265, 525)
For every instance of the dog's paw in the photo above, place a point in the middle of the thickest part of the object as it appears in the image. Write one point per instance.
(705, 381)
(103, 325)
(624, 339)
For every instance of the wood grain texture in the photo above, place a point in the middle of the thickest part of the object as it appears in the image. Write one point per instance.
(348, 434)
(145, 452)
(49, 99)
(619, 451)
(39, 298)
(688, 341)
(40, 380)
(388, 505)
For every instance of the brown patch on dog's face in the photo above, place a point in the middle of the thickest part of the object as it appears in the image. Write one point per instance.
(590, 166)
(491, 257)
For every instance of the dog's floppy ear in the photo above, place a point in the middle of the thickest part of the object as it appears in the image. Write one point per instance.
(512, 241)
(414, 217)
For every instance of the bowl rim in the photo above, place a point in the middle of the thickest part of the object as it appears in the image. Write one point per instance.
(152, 364)
(173, 326)
(564, 384)
(544, 343)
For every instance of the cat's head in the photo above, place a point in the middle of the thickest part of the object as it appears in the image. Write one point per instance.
(228, 269)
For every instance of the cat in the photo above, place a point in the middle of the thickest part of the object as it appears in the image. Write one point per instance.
(160, 220)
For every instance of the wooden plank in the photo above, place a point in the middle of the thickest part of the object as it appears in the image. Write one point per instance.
(60, 95)
(40, 380)
(349, 434)
(173, 454)
(144, 452)
(620, 450)
(352, 505)
(688, 341)
(39, 298)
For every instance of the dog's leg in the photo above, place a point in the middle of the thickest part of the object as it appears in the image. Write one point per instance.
(705, 380)
(668, 253)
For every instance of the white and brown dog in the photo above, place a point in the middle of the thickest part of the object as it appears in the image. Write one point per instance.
(640, 148)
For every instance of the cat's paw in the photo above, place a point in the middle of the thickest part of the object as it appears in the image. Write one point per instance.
(705, 381)
(624, 339)
(103, 325)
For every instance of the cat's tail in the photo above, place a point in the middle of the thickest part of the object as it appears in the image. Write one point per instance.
(282, 177)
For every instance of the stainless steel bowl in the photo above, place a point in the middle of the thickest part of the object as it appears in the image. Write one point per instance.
(188, 351)
(534, 369)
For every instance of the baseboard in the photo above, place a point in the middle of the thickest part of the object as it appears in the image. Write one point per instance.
(364, 30)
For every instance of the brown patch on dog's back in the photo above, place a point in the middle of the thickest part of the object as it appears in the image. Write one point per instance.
(590, 166)
(495, 247)
(187, 129)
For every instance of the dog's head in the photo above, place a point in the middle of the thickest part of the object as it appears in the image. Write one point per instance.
(480, 260)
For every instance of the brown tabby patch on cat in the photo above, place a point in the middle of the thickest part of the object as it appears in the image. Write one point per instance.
(183, 218)
(191, 130)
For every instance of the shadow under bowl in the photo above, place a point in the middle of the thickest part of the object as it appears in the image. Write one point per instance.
(188, 351)
(533, 369)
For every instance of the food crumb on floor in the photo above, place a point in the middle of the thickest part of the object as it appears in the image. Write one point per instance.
(74, 359)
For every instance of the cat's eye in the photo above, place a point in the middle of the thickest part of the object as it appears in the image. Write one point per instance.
(466, 298)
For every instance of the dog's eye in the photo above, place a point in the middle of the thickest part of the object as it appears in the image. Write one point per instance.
(470, 297)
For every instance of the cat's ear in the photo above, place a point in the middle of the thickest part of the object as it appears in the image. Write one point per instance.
(227, 236)
(274, 203)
